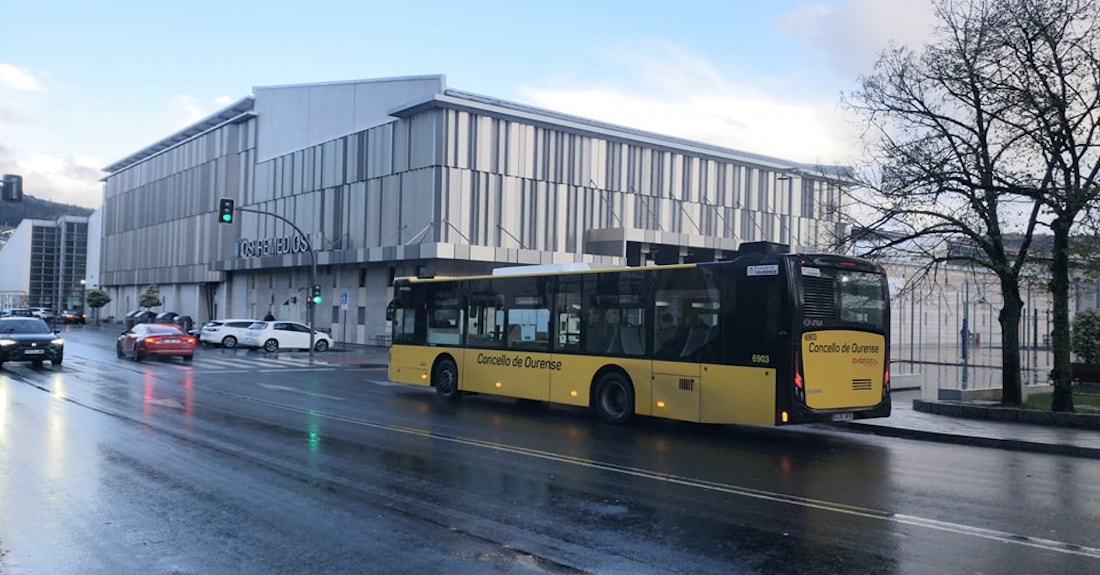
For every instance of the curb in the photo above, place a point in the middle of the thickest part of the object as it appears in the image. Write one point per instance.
(1007, 444)
(996, 413)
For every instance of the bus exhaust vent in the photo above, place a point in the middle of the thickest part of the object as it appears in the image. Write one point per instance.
(819, 297)
(687, 384)
(861, 385)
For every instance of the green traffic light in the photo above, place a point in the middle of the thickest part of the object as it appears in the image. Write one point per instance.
(227, 218)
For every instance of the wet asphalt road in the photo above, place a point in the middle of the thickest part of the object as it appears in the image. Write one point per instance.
(243, 462)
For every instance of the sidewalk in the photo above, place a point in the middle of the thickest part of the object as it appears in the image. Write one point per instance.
(905, 421)
(909, 423)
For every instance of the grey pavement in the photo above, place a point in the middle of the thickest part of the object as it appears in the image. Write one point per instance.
(914, 416)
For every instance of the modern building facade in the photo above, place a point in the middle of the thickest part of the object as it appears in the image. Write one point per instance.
(369, 180)
(45, 264)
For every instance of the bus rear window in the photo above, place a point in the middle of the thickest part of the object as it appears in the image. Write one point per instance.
(844, 295)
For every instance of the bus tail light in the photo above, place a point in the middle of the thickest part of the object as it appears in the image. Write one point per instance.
(886, 375)
(797, 372)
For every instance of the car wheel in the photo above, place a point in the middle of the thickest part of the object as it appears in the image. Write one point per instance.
(138, 356)
(56, 361)
(271, 345)
(321, 345)
(229, 341)
(187, 357)
(118, 349)
(445, 379)
(614, 398)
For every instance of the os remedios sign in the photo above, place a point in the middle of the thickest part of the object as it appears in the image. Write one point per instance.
(276, 246)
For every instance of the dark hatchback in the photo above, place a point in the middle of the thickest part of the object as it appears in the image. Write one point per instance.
(29, 339)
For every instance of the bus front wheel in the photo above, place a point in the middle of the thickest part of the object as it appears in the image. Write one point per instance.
(445, 379)
(614, 400)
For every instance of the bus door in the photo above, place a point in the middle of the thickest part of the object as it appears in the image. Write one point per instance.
(572, 369)
(483, 363)
(514, 324)
(687, 309)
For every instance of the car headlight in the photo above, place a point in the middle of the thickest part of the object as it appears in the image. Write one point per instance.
(6, 342)
(58, 341)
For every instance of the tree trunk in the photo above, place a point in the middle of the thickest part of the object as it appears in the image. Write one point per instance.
(1060, 336)
(1009, 318)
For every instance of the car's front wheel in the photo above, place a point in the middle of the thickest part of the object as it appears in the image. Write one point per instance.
(271, 345)
(229, 341)
(321, 345)
(56, 361)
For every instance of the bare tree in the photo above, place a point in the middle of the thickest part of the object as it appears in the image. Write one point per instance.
(980, 139)
(1055, 87)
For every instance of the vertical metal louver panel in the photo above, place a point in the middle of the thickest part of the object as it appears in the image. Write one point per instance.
(818, 297)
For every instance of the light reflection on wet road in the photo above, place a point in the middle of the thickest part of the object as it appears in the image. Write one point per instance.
(248, 463)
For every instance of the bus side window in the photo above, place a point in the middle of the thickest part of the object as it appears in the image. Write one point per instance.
(484, 321)
(688, 312)
(569, 319)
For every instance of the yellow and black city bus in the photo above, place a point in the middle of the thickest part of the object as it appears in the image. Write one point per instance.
(765, 338)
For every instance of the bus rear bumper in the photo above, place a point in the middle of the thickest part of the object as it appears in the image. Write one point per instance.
(806, 415)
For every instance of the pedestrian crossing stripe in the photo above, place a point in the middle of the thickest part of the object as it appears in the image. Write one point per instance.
(254, 364)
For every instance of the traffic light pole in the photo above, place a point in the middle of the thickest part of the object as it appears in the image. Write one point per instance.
(312, 272)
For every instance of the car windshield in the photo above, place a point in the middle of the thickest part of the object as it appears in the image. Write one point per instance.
(24, 326)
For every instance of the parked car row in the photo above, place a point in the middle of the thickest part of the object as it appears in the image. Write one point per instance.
(270, 335)
(31, 339)
(66, 316)
(39, 312)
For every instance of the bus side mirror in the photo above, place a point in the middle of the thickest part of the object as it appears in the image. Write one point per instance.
(391, 310)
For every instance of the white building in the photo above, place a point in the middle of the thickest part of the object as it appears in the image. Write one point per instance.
(401, 176)
(44, 264)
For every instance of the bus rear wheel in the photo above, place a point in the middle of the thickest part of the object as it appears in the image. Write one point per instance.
(445, 379)
(614, 398)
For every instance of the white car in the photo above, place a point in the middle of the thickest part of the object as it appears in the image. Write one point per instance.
(43, 313)
(276, 335)
(225, 332)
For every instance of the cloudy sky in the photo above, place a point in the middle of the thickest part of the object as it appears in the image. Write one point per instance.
(84, 84)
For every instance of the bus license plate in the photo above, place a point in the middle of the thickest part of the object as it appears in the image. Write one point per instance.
(843, 416)
(34, 351)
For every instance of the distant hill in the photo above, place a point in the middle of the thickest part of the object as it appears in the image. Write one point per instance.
(11, 213)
